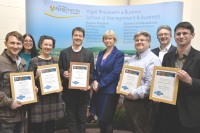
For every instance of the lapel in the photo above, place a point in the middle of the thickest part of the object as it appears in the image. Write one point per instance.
(109, 57)
(189, 59)
(172, 58)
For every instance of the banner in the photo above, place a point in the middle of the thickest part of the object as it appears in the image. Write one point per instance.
(57, 19)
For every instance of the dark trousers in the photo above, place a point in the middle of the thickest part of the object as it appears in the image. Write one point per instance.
(43, 127)
(76, 107)
(12, 127)
(168, 121)
(140, 115)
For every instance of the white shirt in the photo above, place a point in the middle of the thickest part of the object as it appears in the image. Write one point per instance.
(163, 52)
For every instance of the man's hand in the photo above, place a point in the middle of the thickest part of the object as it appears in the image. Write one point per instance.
(16, 104)
(183, 76)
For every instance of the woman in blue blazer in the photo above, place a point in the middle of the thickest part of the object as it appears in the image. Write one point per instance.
(108, 68)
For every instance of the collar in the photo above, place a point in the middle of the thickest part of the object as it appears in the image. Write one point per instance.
(167, 48)
(77, 50)
(142, 55)
(185, 53)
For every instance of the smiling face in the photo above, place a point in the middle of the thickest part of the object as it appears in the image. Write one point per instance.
(141, 44)
(14, 46)
(164, 37)
(46, 46)
(77, 38)
(183, 37)
(28, 44)
(109, 41)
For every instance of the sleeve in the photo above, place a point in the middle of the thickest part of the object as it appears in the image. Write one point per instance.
(4, 100)
(143, 90)
(114, 74)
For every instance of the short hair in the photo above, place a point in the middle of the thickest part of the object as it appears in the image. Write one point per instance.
(42, 38)
(110, 33)
(164, 27)
(15, 34)
(144, 33)
(186, 25)
(78, 29)
(33, 50)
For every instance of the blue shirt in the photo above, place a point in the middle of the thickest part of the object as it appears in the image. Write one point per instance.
(27, 58)
(147, 60)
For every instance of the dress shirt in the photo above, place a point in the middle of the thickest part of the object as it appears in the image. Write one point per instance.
(164, 51)
(146, 60)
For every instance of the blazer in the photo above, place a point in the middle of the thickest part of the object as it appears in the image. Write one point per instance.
(157, 50)
(188, 99)
(108, 74)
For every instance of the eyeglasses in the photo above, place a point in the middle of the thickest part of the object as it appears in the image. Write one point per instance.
(28, 41)
(164, 34)
(183, 33)
(140, 40)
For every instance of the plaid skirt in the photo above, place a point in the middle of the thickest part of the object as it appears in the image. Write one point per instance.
(48, 107)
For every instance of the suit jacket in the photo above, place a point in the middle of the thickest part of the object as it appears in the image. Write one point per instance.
(157, 50)
(188, 99)
(108, 74)
(65, 59)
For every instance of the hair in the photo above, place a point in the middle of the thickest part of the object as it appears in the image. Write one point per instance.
(109, 33)
(78, 29)
(42, 38)
(164, 27)
(34, 52)
(144, 33)
(15, 34)
(186, 25)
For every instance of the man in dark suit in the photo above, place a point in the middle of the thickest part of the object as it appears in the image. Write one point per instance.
(164, 36)
(76, 100)
(184, 117)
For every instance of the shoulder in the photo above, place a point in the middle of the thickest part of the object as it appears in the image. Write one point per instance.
(117, 51)
(65, 50)
(155, 49)
(87, 50)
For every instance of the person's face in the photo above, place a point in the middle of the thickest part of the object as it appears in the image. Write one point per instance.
(77, 38)
(28, 43)
(141, 44)
(164, 37)
(109, 41)
(46, 46)
(14, 46)
(183, 36)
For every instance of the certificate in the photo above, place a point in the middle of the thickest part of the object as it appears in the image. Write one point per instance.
(129, 79)
(50, 79)
(164, 86)
(23, 87)
(79, 75)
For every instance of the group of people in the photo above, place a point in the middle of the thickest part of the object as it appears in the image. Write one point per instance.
(142, 114)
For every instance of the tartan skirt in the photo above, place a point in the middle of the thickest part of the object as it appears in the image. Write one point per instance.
(49, 107)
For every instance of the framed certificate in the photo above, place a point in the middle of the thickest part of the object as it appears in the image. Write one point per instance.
(23, 87)
(130, 78)
(50, 79)
(164, 86)
(79, 75)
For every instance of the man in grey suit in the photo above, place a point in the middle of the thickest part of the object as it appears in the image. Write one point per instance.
(76, 100)
(164, 36)
(184, 117)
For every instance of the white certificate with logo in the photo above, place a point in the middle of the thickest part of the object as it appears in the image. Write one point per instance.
(79, 75)
(164, 85)
(50, 79)
(23, 87)
(130, 78)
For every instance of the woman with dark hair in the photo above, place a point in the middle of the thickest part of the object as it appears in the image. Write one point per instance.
(42, 115)
(29, 49)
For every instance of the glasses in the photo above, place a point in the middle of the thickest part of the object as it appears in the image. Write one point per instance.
(28, 41)
(164, 34)
(183, 33)
(140, 40)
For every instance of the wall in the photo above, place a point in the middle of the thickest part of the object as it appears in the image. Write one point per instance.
(12, 17)
(12, 14)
